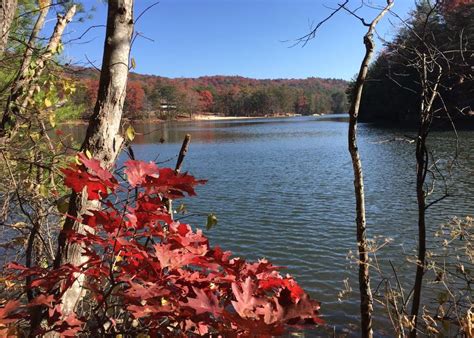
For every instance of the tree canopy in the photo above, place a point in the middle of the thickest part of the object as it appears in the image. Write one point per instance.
(159, 97)
(442, 32)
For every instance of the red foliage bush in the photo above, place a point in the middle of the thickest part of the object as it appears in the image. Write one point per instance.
(147, 273)
(206, 100)
(91, 90)
(134, 101)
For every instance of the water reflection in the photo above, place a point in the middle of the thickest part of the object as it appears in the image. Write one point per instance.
(213, 131)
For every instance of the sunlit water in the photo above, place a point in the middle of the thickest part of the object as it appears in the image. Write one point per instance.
(282, 189)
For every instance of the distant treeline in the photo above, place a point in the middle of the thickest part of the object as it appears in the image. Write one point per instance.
(392, 91)
(151, 97)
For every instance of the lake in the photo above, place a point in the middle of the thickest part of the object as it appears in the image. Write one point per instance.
(282, 189)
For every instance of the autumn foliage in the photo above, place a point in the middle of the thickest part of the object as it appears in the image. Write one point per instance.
(455, 4)
(206, 100)
(134, 100)
(151, 96)
(147, 273)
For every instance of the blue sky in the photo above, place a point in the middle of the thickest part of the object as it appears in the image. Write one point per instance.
(194, 38)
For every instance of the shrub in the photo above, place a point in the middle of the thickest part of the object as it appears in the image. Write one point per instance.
(149, 274)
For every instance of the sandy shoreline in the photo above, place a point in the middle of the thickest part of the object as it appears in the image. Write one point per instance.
(194, 118)
(217, 118)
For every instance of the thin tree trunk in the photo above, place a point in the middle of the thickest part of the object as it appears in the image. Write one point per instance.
(102, 139)
(44, 58)
(21, 79)
(421, 168)
(7, 13)
(26, 81)
(23, 89)
(427, 97)
(366, 299)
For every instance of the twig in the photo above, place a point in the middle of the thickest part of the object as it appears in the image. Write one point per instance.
(182, 152)
(311, 35)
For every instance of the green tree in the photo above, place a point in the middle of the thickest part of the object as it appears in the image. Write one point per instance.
(393, 86)
(339, 102)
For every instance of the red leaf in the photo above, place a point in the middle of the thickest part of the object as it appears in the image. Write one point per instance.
(96, 168)
(138, 171)
(256, 327)
(96, 179)
(146, 291)
(245, 303)
(109, 219)
(16, 266)
(77, 180)
(200, 328)
(204, 303)
(305, 308)
(42, 300)
(173, 259)
(139, 311)
(278, 282)
(70, 326)
(171, 184)
(183, 229)
(7, 311)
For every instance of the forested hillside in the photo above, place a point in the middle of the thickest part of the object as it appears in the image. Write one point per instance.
(153, 97)
(393, 89)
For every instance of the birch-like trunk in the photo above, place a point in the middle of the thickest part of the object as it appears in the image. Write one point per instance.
(22, 78)
(23, 88)
(102, 139)
(7, 13)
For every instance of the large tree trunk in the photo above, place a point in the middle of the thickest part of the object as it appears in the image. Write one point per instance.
(7, 13)
(102, 139)
(366, 300)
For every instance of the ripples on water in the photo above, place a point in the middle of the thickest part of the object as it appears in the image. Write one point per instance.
(282, 189)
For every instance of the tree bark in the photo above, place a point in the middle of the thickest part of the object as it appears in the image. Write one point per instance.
(44, 58)
(102, 139)
(19, 85)
(7, 13)
(366, 299)
(23, 89)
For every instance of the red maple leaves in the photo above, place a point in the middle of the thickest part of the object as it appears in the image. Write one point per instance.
(89, 175)
(147, 273)
(138, 171)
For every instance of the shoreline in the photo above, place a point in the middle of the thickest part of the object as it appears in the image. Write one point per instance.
(197, 117)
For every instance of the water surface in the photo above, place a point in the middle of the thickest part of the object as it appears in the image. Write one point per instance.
(282, 189)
